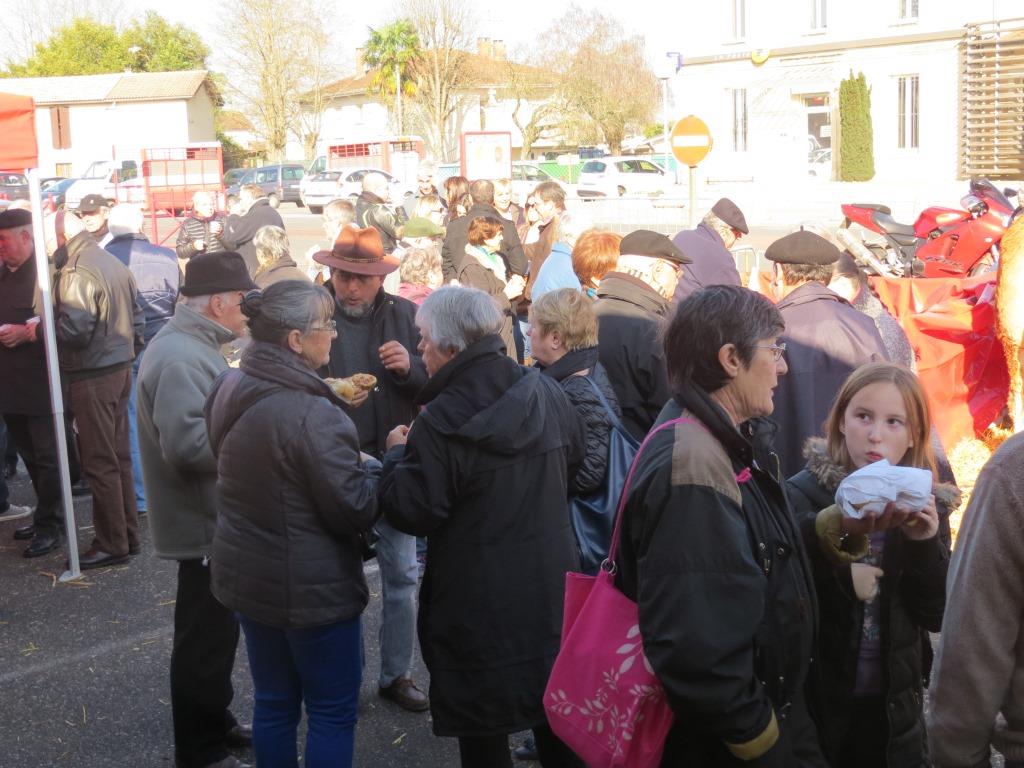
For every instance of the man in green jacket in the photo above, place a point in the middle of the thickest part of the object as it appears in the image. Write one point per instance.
(177, 373)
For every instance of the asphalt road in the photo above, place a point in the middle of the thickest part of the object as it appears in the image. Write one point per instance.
(84, 666)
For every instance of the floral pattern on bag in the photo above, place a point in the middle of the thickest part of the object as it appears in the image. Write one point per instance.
(615, 724)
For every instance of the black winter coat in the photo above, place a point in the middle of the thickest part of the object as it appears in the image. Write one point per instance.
(393, 319)
(713, 557)
(456, 238)
(826, 340)
(372, 211)
(913, 595)
(713, 264)
(484, 478)
(292, 494)
(240, 230)
(24, 382)
(590, 476)
(630, 316)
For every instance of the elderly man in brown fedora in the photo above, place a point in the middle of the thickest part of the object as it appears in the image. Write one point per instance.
(377, 335)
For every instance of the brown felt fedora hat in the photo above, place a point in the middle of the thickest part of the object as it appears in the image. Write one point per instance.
(359, 251)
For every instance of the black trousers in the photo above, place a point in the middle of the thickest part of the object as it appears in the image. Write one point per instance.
(205, 640)
(37, 444)
(867, 733)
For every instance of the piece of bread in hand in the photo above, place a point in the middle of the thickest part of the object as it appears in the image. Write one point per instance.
(350, 386)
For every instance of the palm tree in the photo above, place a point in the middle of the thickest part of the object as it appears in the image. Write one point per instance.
(390, 50)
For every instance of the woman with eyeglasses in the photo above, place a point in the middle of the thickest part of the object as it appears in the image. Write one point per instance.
(711, 552)
(293, 495)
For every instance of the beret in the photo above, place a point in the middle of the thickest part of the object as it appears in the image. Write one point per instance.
(17, 217)
(644, 242)
(802, 248)
(729, 212)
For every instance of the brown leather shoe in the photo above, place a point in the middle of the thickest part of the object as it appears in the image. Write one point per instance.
(405, 694)
(97, 558)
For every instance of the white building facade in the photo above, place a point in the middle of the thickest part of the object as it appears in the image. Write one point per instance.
(86, 118)
(765, 77)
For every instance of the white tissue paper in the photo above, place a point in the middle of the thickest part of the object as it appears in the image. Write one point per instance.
(870, 488)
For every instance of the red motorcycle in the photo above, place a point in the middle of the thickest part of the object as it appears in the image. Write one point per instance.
(943, 242)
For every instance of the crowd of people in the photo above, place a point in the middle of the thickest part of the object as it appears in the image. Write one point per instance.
(505, 345)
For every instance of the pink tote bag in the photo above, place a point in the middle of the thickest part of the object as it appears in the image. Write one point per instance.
(603, 699)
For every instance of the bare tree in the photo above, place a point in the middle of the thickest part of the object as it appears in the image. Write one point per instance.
(277, 52)
(445, 29)
(537, 111)
(607, 89)
(26, 23)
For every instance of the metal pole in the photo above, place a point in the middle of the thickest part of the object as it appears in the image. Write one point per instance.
(693, 196)
(664, 112)
(53, 368)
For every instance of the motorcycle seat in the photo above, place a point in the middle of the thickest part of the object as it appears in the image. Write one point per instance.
(875, 207)
(891, 226)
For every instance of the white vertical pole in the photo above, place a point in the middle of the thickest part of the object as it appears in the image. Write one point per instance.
(53, 368)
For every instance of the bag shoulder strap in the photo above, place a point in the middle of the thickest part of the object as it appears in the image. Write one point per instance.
(613, 547)
(616, 422)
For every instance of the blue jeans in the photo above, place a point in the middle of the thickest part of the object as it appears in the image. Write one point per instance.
(399, 575)
(320, 667)
(133, 440)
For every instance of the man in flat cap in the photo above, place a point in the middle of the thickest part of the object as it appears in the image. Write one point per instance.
(708, 246)
(632, 304)
(180, 473)
(99, 328)
(377, 334)
(94, 211)
(24, 385)
(826, 340)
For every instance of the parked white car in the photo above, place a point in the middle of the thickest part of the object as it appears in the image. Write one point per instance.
(319, 189)
(622, 176)
(525, 178)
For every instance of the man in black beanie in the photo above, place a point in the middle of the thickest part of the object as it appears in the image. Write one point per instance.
(180, 473)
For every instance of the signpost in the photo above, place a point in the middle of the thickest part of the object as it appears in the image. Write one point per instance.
(691, 142)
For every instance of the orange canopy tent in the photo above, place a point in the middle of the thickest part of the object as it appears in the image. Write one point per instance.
(19, 152)
(18, 127)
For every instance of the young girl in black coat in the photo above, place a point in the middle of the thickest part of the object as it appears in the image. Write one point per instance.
(881, 580)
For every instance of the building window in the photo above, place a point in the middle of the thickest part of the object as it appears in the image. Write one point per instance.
(60, 127)
(63, 169)
(739, 19)
(819, 11)
(907, 111)
(908, 9)
(739, 119)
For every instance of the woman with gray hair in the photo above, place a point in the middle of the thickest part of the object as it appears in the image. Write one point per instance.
(293, 495)
(482, 473)
(273, 253)
(710, 550)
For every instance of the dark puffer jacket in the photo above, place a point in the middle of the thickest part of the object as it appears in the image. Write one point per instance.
(715, 561)
(913, 599)
(590, 476)
(292, 494)
(194, 228)
(240, 230)
(388, 220)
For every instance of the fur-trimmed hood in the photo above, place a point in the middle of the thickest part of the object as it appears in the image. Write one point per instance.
(829, 474)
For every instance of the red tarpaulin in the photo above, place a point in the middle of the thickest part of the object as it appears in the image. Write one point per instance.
(18, 118)
(959, 359)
